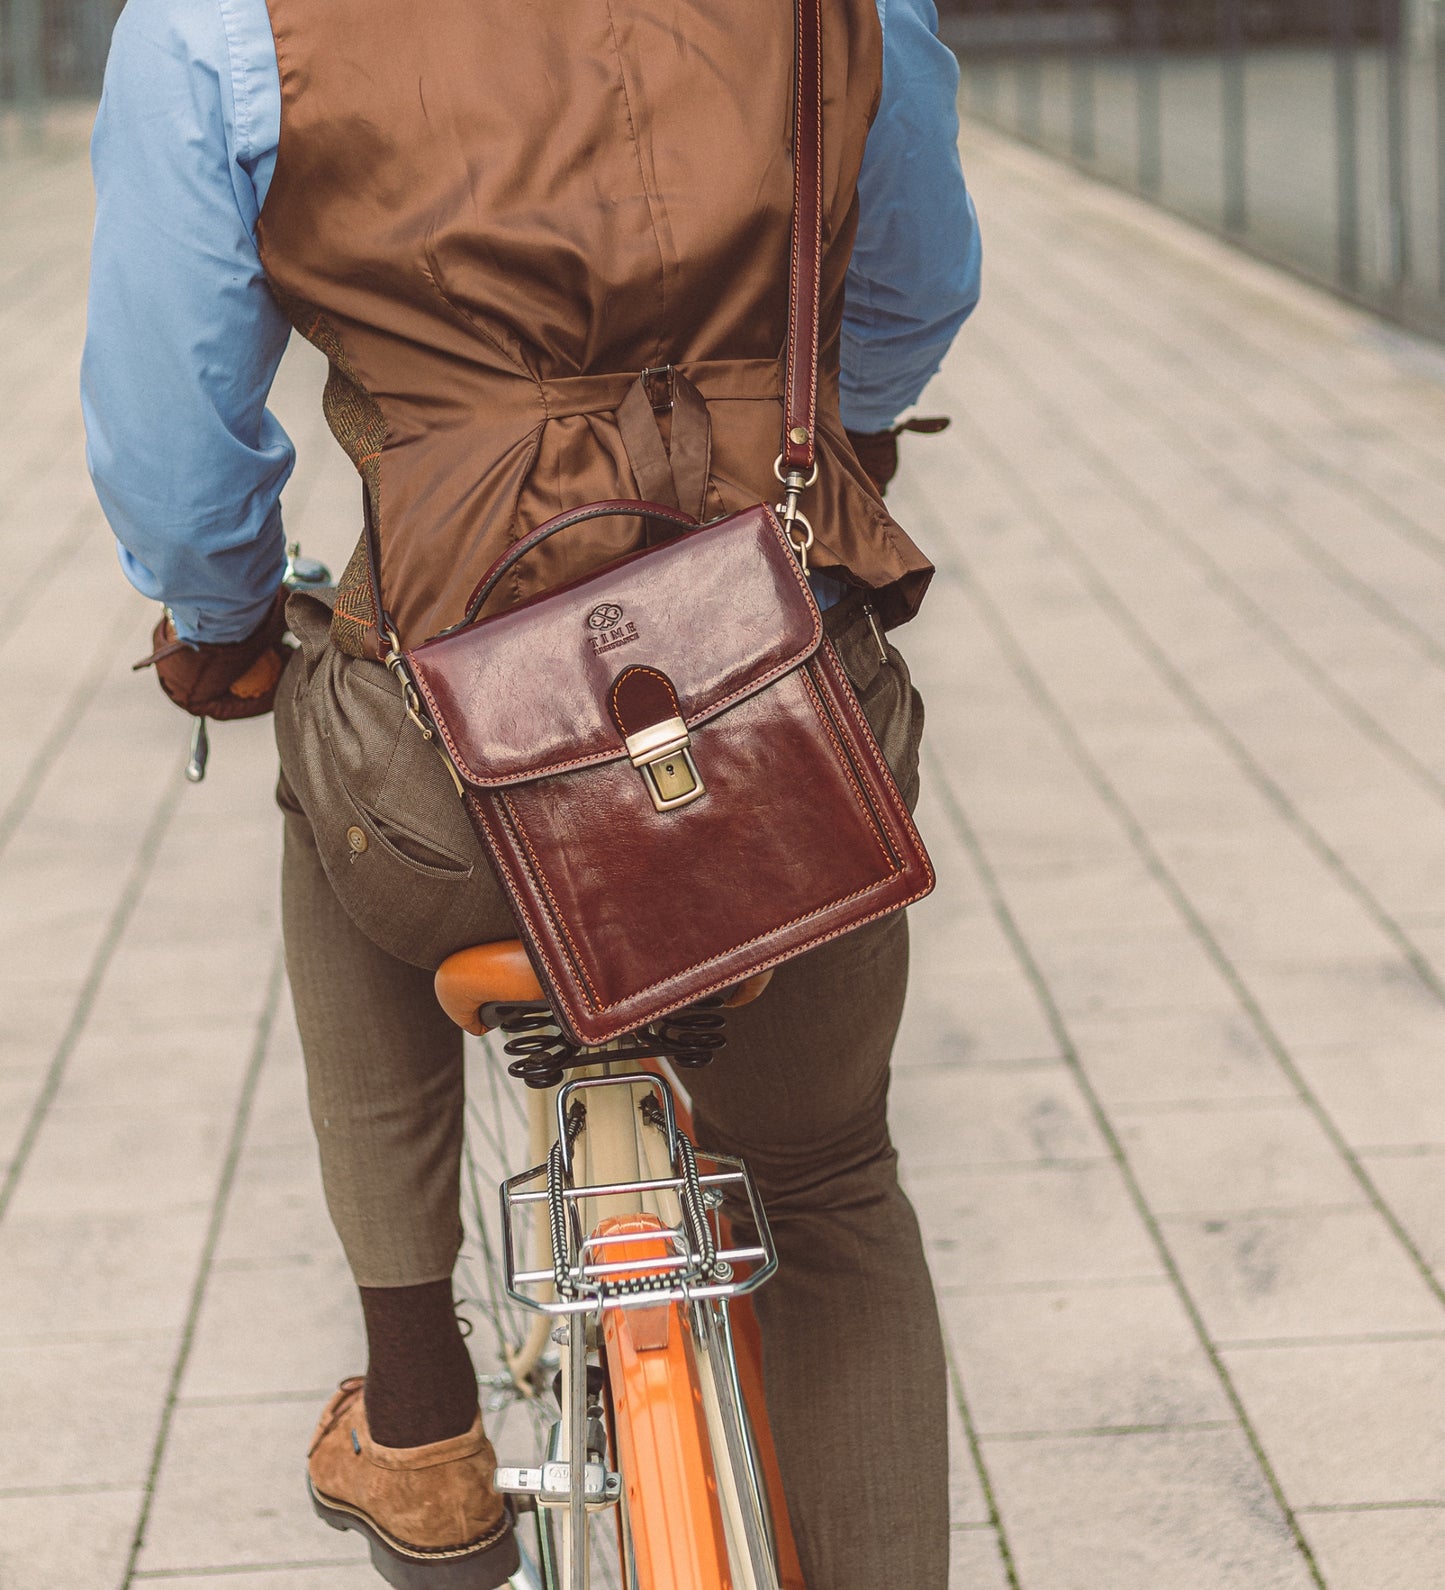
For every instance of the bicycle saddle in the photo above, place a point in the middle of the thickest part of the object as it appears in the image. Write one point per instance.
(500, 974)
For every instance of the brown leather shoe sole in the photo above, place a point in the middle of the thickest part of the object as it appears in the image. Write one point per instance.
(485, 1564)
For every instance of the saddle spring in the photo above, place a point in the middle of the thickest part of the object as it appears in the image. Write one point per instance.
(541, 1056)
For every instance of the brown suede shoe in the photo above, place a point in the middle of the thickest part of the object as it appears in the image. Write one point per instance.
(430, 1514)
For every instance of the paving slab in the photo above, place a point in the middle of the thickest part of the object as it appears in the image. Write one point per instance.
(1308, 1273)
(1210, 1055)
(1349, 1422)
(1394, 1548)
(1188, 1509)
(277, 1212)
(1227, 1158)
(1031, 1225)
(1381, 1090)
(280, 1576)
(81, 1412)
(97, 1160)
(970, 1000)
(267, 1329)
(79, 1540)
(1144, 969)
(1082, 1358)
(108, 1272)
(1371, 1001)
(1413, 1185)
(255, 1456)
(1019, 1115)
(975, 1562)
(967, 1504)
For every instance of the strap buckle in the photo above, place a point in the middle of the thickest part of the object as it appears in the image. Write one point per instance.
(657, 376)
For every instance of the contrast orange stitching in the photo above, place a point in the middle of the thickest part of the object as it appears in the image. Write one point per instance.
(895, 873)
(868, 816)
(728, 978)
(818, 222)
(516, 822)
(731, 977)
(511, 886)
(767, 933)
(505, 873)
(642, 668)
(815, 242)
(862, 726)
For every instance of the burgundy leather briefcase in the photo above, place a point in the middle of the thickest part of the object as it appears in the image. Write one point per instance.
(677, 789)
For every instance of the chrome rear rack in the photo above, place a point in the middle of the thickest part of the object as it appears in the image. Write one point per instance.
(697, 1264)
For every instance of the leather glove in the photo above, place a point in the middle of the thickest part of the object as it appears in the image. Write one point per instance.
(231, 679)
(877, 451)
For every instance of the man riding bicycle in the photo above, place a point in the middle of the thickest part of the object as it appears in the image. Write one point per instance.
(494, 223)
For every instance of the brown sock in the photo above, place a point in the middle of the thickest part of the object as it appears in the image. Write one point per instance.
(420, 1384)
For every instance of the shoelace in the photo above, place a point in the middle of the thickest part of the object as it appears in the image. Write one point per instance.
(355, 1385)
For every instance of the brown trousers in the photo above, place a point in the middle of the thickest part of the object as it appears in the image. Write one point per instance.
(853, 1355)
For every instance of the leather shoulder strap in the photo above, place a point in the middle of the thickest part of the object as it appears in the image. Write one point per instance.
(801, 388)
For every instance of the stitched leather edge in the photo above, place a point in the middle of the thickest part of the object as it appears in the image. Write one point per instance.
(640, 668)
(869, 817)
(514, 820)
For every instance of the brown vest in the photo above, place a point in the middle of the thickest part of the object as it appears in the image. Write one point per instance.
(492, 217)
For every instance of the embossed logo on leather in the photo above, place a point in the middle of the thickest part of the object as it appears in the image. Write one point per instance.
(608, 630)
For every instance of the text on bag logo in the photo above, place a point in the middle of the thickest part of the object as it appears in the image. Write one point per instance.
(608, 629)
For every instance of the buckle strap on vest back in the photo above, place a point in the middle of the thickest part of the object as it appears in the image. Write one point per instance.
(718, 380)
(675, 475)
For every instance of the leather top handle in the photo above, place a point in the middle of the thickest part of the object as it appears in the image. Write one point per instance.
(620, 506)
(800, 389)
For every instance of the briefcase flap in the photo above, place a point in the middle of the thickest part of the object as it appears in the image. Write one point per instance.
(722, 611)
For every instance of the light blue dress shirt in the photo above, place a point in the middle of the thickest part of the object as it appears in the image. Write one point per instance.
(184, 338)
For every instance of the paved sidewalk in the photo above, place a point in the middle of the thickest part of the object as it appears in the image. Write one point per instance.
(1171, 1097)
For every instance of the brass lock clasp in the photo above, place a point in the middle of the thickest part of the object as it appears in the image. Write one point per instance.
(661, 753)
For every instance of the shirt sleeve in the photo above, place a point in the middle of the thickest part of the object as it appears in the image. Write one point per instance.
(914, 275)
(183, 337)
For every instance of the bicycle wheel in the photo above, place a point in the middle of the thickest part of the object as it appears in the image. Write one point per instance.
(512, 1347)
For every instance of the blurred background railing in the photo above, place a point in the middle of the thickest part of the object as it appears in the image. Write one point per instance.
(1311, 131)
(52, 50)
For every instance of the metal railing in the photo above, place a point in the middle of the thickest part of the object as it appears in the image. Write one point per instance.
(1310, 131)
(53, 50)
